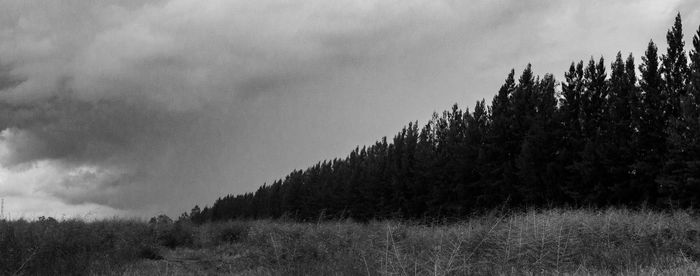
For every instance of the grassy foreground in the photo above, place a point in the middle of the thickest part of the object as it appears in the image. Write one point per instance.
(557, 241)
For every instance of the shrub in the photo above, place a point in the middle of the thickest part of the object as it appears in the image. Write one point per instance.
(150, 252)
(232, 232)
(178, 234)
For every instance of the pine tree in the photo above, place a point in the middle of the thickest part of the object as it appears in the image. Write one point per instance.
(681, 174)
(538, 175)
(694, 72)
(595, 126)
(618, 146)
(524, 103)
(675, 69)
(572, 143)
(571, 99)
(675, 74)
(475, 147)
(692, 113)
(426, 158)
(500, 148)
(652, 138)
(594, 98)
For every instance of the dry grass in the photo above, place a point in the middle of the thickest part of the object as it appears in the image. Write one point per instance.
(549, 242)
(573, 242)
(557, 241)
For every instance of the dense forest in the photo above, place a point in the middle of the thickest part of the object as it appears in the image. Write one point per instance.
(625, 135)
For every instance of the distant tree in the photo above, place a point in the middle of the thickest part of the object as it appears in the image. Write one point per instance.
(618, 144)
(539, 176)
(571, 109)
(594, 99)
(652, 137)
(501, 146)
(195, 211)
(694, 74)
(675, 69)
(524, 111)
(161, 219)
(474, 159)
(594, 127)
(681, 173)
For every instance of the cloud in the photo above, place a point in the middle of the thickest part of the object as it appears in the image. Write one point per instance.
(145, 106)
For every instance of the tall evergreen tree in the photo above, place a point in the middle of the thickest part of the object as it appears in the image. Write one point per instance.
(524, 112)
(595, 126)
(477, 124)
(675, 69)
(681, 174)
(501, 147)
(538, 175)
(618, 146)
(571, 110)
(652, 137)
(675, 74)
(694, 71)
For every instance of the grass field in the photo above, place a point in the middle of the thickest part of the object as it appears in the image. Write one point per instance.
(557, 241)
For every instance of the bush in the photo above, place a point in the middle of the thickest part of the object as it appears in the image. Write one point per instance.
(150, 252)
(232, 232)
(178, 234)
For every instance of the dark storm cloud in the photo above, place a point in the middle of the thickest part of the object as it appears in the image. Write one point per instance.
(75, 131)
(120, 140)
(7, 80)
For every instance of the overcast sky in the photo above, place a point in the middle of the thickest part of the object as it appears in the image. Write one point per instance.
(139, 107)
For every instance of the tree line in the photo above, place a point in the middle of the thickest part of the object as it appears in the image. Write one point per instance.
(604, 136)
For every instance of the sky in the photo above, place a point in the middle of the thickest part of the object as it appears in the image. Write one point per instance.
(136, 108)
